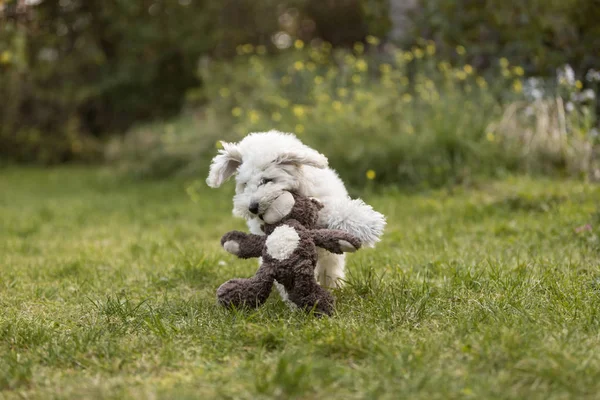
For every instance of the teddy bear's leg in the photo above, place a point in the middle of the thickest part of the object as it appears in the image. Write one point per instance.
(306, 293)
(251, 292)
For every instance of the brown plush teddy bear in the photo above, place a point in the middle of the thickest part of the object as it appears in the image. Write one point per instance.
(289, 253)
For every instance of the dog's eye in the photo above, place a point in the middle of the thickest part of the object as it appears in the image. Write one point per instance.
(264, 181)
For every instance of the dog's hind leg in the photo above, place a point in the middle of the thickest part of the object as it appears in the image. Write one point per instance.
(284, 295)
(330, 269)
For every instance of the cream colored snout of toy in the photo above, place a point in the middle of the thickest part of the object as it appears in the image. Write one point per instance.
(280, 207)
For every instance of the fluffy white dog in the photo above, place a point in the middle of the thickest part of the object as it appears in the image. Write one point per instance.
(268, 163)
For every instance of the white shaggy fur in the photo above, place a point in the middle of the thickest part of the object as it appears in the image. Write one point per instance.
(269, 163)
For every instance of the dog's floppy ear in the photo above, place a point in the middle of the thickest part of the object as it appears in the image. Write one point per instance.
(303, 156)
(224, 164)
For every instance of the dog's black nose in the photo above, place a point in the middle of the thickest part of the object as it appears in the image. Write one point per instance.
(253, 208)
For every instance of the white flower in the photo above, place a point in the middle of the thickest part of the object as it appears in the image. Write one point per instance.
(534, 88)
(566, 75)
(570, 107)
(282, 40)
(588, 94)
(594, 132)
(593, 76)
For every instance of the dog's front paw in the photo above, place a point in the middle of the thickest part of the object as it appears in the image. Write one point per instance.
(231, 246)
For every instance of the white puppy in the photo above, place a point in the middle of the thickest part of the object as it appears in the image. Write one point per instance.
(268, 163)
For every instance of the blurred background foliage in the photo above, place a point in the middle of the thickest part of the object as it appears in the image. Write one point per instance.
(427, 91)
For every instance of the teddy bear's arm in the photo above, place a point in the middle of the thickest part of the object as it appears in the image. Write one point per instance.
(242, 244)
(335, 241)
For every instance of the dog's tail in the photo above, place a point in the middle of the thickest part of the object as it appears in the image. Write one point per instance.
(355, 217)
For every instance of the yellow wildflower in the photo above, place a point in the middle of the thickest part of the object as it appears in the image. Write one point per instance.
(578, 84)
(385, 68)
(337, 105)
(406, 97)
(342, 92)
(490, 136)
(298, 111)
(461, 75)
(418, 53)
(261, 50)
(373, 40)
(517, 86)
(468, 69)
(518, 71)
(356, 79)
(359, 47)
(504, 62)
(276, 116)
(311, 66)
(430, 49)
(5, 57)
(443, 66)
(318, 80)
(299, 44)
(362, 65)
(371, 174)
(247, 48)
(236, 111)
(254, 116)
(298, 65)
(481, 82)
(460, 50)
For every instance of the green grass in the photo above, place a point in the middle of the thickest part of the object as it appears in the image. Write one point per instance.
(107, 290)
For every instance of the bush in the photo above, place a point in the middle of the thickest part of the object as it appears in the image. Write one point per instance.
(397, 117)
(539, 35)
(179, 146)
(77, 70)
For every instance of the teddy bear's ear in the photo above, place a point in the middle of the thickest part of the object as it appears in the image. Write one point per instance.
(317, 203)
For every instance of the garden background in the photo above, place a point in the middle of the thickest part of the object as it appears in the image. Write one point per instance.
(472, 124)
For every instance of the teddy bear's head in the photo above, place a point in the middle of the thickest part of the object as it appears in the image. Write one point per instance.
(293, 206)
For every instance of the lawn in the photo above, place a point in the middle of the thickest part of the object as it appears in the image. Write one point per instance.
(107, 290)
